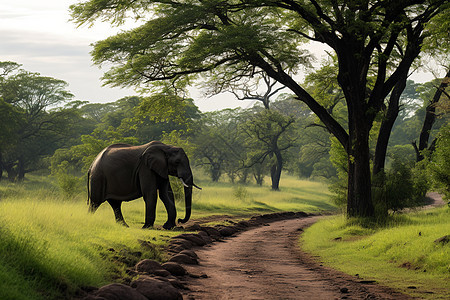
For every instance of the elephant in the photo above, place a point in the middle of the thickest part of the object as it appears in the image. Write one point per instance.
(123, 172)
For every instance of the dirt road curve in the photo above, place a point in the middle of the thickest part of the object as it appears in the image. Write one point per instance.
(264, 263)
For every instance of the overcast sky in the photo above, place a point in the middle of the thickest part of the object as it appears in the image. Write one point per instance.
(38, 35)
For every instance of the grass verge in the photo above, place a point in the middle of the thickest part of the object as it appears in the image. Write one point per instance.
(402, 254)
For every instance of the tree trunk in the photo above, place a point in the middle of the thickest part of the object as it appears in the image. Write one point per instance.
(430, 117)
(258, 174)
(21, 170)
(243, 176)
(215, 172)
(386, 127)
(1, 166)
(275, 172)
(359, 196)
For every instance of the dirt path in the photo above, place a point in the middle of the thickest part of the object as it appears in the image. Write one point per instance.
(265, 263)
(434, 200)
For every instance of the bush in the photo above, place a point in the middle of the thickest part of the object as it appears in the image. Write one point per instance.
(338, 186)
(69, 184)
(177, 189)
(240, 193)
(400, 187)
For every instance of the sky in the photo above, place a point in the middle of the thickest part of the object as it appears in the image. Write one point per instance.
(39, 35)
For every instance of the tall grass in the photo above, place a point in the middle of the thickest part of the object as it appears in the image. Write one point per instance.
(50, 246)
(402, 253)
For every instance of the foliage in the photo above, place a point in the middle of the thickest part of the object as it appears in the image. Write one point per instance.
(34, 124)
(167, 108)
(240, 193)
(403, 184)
(437, 45)
(400, 187)
(219, 144)
(338, 185)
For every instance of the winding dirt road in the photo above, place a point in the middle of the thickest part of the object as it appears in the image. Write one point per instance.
(265, 263)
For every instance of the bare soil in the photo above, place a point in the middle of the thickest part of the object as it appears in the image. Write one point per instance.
(266, 263)
(433, 200)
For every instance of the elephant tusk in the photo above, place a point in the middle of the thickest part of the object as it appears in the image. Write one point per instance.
(197, 186)
(185, 185)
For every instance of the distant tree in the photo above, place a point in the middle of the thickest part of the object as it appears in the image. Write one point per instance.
(10, 116)
(312, 153)
(96, 111)
(11, 120)
(270, 134)
(40, 126)
(165, 112)
(219, 147)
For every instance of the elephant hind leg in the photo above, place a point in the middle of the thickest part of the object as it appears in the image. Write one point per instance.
(117, 208)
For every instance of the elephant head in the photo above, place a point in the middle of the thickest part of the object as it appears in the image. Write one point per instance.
(169, 160)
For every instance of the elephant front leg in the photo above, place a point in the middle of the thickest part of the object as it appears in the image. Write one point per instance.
(116, 206)
(150, 208)
(167, 197)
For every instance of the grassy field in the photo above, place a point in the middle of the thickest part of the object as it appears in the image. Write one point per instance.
(226, 198)
(50, 246)
(401, 254)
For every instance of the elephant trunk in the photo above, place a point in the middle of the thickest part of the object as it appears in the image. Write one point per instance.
(188, 202)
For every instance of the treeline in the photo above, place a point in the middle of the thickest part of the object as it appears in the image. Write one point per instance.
(237, 144)
(43, 128)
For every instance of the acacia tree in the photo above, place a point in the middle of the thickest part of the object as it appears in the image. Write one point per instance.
(36, 127)
(271, 133)
(182, 39)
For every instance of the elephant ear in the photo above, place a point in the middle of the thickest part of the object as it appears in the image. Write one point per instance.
(157, 161)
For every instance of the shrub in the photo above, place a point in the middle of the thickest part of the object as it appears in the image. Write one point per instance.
(338, 186)
(240, 193)
(401, 186)
(69, 184)
(177, 189)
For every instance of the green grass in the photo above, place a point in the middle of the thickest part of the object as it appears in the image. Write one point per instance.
(237, 200)
(401, 254)
(50, 246)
